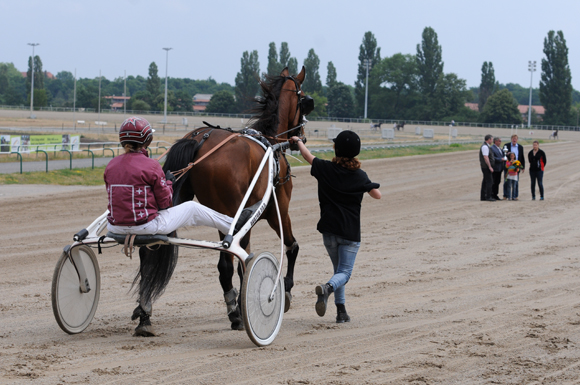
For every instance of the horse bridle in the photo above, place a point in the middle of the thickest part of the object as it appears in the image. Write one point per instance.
(304, 106)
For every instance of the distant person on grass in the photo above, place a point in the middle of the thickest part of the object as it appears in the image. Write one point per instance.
(341, 186)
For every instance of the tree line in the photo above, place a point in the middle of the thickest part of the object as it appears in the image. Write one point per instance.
(400, 87)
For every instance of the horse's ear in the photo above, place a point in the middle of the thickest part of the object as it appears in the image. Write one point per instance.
(301, 75)
(285, 73)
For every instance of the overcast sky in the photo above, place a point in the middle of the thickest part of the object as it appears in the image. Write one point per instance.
(208, 37)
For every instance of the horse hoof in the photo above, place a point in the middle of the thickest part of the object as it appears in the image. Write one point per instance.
(287, 301)
(144, 331)
(237, 326)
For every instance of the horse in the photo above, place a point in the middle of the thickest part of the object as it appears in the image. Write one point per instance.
(221, 179)
(376, 126)
(554, 135)
(400, 126)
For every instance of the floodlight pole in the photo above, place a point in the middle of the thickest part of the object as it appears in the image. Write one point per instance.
(166, 64)
(75, 100)
(366, 63)
(531, 68)
(32, 82)
(100, 97)
(125, 96)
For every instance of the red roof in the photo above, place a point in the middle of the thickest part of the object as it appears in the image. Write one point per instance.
(473, 106)
(540, 110)
(46, 73)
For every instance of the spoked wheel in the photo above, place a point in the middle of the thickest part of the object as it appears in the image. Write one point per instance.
(262, 316)
(73, 309)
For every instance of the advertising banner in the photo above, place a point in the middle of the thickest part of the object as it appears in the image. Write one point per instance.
(31, 143)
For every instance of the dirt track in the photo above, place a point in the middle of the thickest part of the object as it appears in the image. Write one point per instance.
(446, 290)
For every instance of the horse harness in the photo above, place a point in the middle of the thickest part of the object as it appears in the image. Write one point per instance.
(249, 133)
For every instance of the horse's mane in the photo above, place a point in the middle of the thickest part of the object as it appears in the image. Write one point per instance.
(266, 119)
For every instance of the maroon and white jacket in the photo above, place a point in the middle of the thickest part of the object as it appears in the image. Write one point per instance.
(137, 189)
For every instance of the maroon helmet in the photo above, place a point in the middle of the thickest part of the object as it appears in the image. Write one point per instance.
(136, 130)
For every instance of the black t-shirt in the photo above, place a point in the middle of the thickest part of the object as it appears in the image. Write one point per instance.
(340, 193)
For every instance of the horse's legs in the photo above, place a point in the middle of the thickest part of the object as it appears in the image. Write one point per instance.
(144, 310)
(231, 295)
(292, 249)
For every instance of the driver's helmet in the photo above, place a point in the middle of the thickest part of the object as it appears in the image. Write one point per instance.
(347, 144)
(135, 130)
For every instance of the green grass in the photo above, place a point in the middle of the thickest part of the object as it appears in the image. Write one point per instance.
(94, 177)
(76, 176)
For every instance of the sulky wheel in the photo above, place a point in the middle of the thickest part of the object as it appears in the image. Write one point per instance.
(262, 316)
(73, 309)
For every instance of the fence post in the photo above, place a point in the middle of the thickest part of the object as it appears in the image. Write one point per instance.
(70, 157)
(18, 156)
(37, 151)
(93, 155)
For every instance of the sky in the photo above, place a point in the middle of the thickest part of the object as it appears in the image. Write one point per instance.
(209, 37)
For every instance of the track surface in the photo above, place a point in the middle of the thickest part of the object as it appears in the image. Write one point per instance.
(446, 290)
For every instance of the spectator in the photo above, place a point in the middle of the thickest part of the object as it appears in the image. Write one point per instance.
(537, 159)
(518, 150)
(498, 166)
(486, 161)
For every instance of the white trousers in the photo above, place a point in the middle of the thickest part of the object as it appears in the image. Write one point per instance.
(186, 214)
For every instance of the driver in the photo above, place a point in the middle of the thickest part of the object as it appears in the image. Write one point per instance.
(140, 194)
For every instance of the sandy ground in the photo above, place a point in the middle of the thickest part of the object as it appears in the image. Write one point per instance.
(446, 290)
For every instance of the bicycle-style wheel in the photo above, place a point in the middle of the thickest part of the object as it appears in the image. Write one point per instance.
(262, 316)
(73, 309)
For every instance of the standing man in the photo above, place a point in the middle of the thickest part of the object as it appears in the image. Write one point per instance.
(517, 149)
(486, 161)
(498, 166)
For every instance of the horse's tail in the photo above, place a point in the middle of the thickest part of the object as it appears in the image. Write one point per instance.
(156, 269)
(179, 156)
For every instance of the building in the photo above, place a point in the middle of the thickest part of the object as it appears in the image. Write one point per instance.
(200, 102)
(47, 74)
(523, 108)
(117, 102)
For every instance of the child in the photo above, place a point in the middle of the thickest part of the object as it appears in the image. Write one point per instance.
(512, 176)
(341, 186)
(140, 194)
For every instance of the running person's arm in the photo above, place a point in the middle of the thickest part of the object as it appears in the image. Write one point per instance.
(303, 150)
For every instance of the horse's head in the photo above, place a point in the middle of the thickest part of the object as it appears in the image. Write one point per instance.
(293, 104)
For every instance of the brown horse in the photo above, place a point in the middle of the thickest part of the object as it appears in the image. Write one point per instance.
(221, 180)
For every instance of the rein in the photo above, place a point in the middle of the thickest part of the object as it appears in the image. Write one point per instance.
(179, 173)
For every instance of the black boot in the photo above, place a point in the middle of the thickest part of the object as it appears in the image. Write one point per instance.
(323, 291)
(341, 315)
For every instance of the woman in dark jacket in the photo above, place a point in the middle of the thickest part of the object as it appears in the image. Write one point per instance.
(537, 161)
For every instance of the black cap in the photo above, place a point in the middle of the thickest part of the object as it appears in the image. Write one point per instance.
(347, 144)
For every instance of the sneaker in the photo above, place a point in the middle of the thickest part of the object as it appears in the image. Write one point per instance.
(541, 198)
(323, 291)
(533, 198)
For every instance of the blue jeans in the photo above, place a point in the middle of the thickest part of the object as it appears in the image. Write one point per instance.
(512, 188)
(342, 253)
(539, 175)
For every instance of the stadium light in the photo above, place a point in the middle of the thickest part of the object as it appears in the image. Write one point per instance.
(531, 68)
(166, 64)
(366, 63)
(32, 82)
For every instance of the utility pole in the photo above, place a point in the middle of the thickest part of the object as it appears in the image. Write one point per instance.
(366, 63)
(531, 68)
(32, 82)
(75, 100)
(166, 63)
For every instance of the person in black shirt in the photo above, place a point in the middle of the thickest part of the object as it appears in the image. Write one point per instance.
(537, 160)
(341, 186)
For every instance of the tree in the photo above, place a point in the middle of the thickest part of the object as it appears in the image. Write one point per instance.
(293, 66)
(140, 105)
(273, 64)
(222, 102)
(312, 81)
(183, 101)
(153, 83)
(284, 57)
(340, 101)
(487, 84)
(330, 74)
(556, 82)
(501, 107)
(451, 96)
(320, 103)
(368, 50)
(38, 79)
(429, 63)
(247, 86)
(399, 74)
